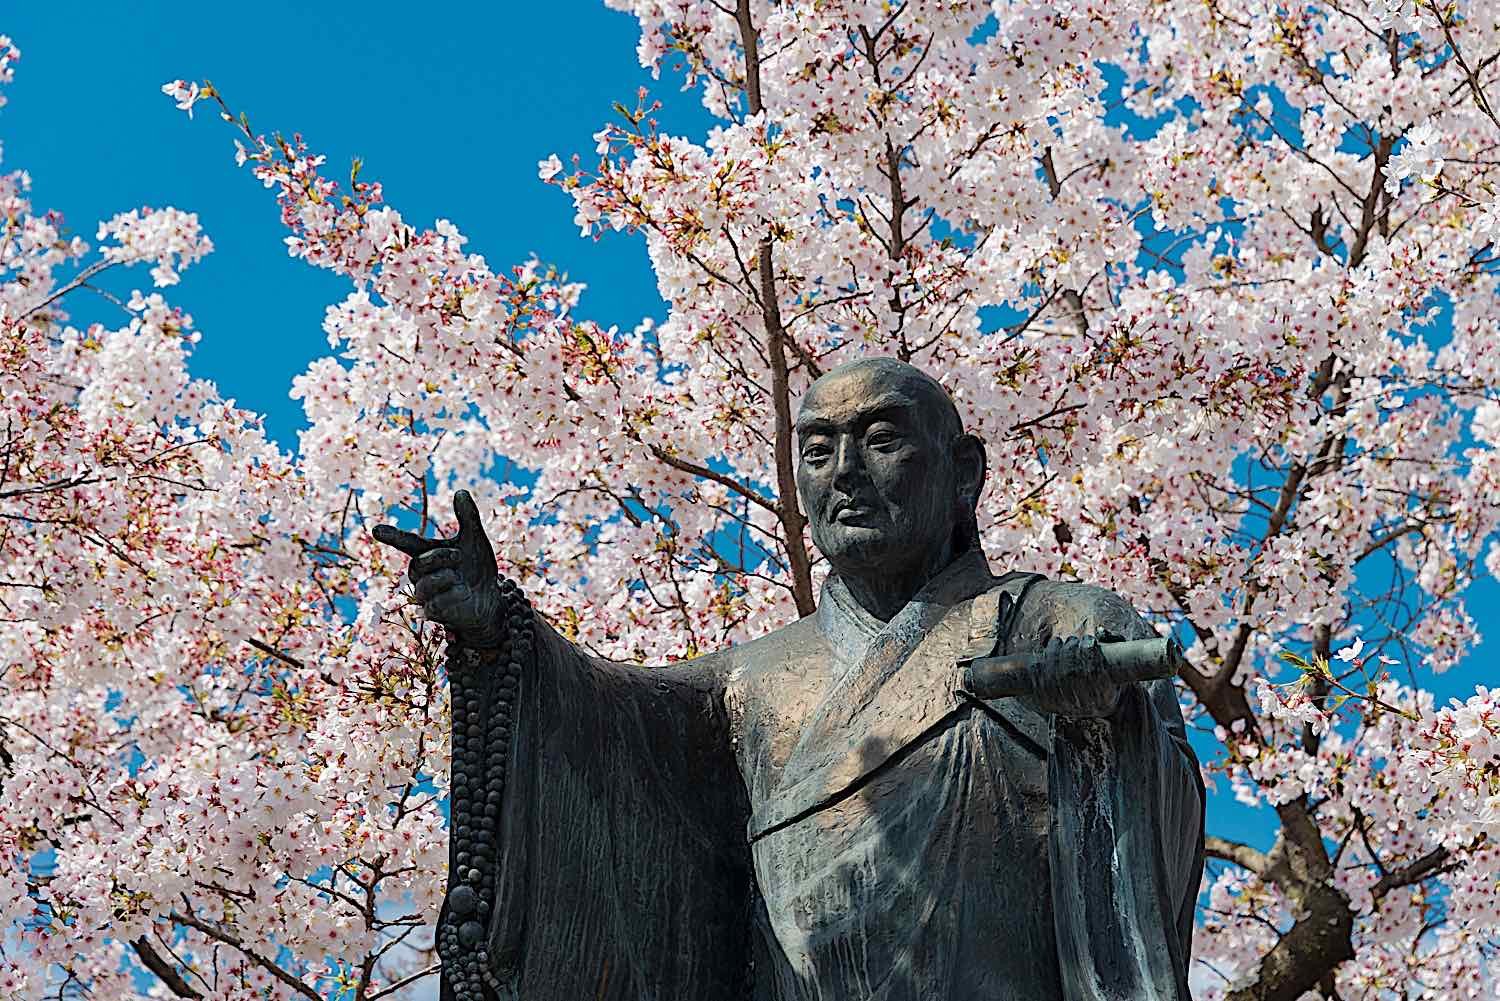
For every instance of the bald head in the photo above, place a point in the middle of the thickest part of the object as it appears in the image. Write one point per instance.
(887, 475)
(864, 381)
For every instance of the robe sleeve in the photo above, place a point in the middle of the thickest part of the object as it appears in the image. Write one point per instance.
(1127, 800)
(620, 862)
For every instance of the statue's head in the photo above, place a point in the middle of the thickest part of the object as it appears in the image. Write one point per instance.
(888, 478)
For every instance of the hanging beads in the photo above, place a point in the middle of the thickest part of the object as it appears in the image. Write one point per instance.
(483, 689)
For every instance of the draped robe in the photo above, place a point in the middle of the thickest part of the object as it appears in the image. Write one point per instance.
(825, 814)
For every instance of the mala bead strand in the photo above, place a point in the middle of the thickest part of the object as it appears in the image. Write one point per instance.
(484, 689)
(457, 939)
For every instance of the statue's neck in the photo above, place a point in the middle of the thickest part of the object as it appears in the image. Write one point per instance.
(885, 593)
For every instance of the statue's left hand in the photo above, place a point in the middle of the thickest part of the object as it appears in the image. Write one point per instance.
(1075, 678)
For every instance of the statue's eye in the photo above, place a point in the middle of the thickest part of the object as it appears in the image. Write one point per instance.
(882, 437)
(816, 451)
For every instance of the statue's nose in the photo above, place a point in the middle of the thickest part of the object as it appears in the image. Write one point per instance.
(848, 465)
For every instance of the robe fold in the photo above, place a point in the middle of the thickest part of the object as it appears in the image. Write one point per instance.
(825, 815)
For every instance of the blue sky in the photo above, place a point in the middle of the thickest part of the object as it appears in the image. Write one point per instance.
(450, 112)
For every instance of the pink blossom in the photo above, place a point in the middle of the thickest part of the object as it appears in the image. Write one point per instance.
(183, 93)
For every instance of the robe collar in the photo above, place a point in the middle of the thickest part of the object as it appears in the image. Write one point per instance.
(892, 683)
(850, 628)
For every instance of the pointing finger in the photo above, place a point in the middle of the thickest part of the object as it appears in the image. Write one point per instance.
(467, 513)
(479, 557)
(411, 545)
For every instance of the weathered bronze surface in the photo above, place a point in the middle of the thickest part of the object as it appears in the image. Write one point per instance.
(851, 807)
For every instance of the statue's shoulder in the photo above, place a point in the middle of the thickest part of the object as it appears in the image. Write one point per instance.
(792, 647)
(1072, 608)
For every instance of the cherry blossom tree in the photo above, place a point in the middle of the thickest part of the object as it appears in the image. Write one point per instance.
(223, 767)
(1215, 281)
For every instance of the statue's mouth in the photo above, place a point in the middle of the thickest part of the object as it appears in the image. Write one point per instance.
(853, 513)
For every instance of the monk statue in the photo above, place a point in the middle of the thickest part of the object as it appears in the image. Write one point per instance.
(944, 785)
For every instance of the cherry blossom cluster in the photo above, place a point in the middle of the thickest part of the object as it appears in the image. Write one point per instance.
(213, 776)
(1407, 791)
(168, 237)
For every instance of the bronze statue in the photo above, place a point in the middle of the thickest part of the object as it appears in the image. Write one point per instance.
(851, 807)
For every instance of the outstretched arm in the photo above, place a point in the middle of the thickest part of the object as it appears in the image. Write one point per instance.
(598, 821)
(491, 637)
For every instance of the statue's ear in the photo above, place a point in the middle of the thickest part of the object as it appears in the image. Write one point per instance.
(970, 465)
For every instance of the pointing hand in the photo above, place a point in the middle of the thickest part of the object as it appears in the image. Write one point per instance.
(455, 579)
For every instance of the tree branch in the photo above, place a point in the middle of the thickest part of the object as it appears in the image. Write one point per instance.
(793, 522)
(1232, 851)
(1070, 296)
(1431, 864)
(393, 988)
(271, 651)
(697, 469)
(157, 964)
(218, 934)
(1321, 937)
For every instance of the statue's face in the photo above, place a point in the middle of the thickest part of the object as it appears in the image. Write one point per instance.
(878, 485)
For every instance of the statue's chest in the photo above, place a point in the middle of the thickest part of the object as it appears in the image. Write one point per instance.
(915, 872)
(770, 710)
